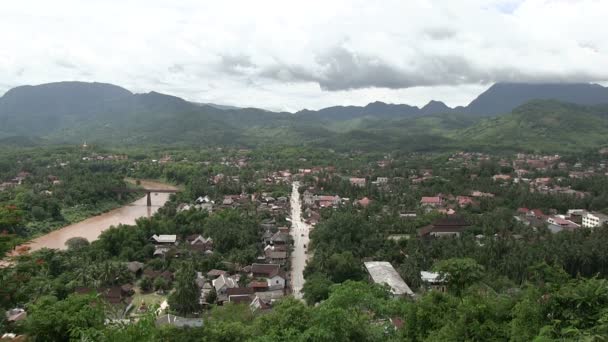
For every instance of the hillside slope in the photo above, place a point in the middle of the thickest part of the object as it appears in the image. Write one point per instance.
(542, 125)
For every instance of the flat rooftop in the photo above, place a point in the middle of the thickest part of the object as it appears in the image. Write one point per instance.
(382, 272)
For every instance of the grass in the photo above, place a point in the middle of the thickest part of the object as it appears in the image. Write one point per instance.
(152, 300)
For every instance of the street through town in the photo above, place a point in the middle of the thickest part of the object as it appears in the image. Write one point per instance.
(299, 232)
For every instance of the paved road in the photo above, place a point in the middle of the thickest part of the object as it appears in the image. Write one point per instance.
(299, 232)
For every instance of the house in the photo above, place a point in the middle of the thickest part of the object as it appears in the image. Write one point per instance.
(258, 286)
(275, 254)
(215, 273)
(382, 272)
(501, 178)
(448, 226)
(364, 202)
(431, 202)
(433, 281)
(161, 250)
(279, 238)
(223, 283)
(152, 274)
(199, 243)
(327, 201)
(259, 304)
(359, 182)
(308, 198)
(273, 274)
(135, 267)
(593, 220)
(208, 207)
(481, 194)
(112, 295)
(240, 295)
(205, 199)
(381, 181)
(463, 201)
(562, 222)
(16, 314)
(164, 239)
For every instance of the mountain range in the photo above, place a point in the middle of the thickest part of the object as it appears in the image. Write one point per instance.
(506, 113)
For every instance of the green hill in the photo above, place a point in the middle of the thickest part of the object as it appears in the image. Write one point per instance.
(71, 112)
(541, 125)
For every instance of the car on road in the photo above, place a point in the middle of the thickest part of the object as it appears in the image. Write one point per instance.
(304, 245)
(302, 234)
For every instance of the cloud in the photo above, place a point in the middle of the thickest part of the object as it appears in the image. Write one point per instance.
(235, 64)
(291, 55)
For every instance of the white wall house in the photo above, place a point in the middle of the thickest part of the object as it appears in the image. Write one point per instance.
(593, 220)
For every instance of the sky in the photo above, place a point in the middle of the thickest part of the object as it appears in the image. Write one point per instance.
(290, 55)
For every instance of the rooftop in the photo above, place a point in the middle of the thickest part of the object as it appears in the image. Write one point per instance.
(382, 272)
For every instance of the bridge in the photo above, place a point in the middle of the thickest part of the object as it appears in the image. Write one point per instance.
(148, 191)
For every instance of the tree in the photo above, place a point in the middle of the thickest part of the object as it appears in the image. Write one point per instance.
(459, 273)
(38, 213)
(316, 288)
(76, 243)
(211, 296)
(10, 218)
(185, 299)
(50, 319)
(160, 284)
(145, 284)
(344, 266)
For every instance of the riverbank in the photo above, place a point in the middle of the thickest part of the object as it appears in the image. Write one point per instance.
(92, 227)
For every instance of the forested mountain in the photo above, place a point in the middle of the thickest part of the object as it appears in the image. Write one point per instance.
(542, 125)
(71, 112)
(502, 98)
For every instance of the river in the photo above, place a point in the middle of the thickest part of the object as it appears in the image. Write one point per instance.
(92, 227)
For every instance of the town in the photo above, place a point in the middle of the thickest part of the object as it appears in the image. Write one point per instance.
(249, 231)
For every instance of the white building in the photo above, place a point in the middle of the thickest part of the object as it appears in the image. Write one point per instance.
(433, 281)
(592, 220)
(382, 272)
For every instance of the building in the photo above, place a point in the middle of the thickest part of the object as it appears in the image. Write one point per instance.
(164, 239)
(275, 277)
(449, 226)
(432, 202)
(360, 182)
(223, 283)
(433, 281)
(562, 222)
(16, 314)
(382, 272)
(593, 220)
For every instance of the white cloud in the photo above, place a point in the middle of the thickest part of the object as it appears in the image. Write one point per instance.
(290, 55)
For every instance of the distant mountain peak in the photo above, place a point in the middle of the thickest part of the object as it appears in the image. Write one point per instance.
(502, 98)
(435, 107)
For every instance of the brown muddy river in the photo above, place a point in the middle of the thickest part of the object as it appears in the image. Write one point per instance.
(92, 227)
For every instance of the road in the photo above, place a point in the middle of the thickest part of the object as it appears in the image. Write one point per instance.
(299, 232)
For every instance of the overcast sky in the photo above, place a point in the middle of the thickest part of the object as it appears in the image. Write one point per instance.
(291, 55)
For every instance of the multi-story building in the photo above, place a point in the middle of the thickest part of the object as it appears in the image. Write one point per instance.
(592, 220)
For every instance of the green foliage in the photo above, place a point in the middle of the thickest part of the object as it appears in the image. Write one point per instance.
(145, 284)
(50, 319)
(316, 288)
(185, 298)
(459, 273)
(76, 243)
